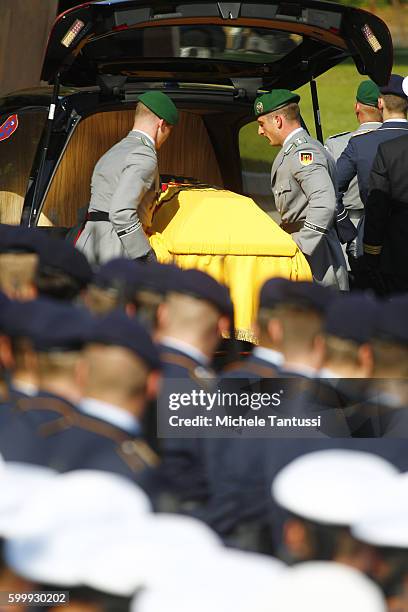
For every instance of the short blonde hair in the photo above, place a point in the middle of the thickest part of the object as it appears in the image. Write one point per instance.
(341, 351)
(17, 274)
(300, 326)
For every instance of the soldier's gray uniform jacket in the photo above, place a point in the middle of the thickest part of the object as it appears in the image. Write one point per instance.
(303, 184)
(124, 184)
(336, 145)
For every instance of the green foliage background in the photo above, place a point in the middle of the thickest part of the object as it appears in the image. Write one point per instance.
(337, 89)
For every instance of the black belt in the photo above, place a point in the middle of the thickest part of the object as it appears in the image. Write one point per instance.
(97, 216)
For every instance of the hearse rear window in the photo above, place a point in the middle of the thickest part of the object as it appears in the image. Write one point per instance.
(199, 41)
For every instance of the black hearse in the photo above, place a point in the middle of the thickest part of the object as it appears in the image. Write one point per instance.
(211, 57)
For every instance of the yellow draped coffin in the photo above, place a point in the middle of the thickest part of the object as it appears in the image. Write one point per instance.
(228, 236)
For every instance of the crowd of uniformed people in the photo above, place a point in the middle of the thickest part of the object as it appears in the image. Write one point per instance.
(94, 503)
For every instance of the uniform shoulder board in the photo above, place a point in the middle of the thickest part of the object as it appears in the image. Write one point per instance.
(290, 147)
(295, 143)
(52, 404)
(142, 450)
(147, 143)
(197, 373)
(299, 141)
(362, 132)
(338, 135)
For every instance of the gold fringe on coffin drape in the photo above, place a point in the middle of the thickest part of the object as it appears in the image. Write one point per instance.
(229, 237)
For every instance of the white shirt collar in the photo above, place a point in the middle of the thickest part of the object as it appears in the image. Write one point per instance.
(395, 121)
(147, 136)
(188, 349)
(267, 354)
(110, 413)
(25, 387)
(327, 373)
(302, 370)
(296, 131)
(368, 123)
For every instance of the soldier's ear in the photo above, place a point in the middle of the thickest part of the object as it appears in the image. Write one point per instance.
(275, 331)
(162, 316)
(366, 359)
(6, 354)
(296, 540)
(82, 373)
(223, 326)
(153, 383)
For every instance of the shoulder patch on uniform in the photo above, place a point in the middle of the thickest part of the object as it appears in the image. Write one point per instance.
(306, 157)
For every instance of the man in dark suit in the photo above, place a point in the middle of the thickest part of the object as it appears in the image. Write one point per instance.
(358, 157)
(386, 225)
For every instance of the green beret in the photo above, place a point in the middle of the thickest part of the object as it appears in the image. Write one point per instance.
(161, 105)
(368, 93)
(272, 101)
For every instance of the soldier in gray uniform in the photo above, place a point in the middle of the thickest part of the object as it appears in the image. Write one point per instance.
(125, 184)
(370, 118)
(303, 185)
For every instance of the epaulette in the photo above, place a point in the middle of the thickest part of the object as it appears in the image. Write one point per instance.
(136, 453)
(296, 143)
(362, 132)
(139, 448)
(52, 404)
(337, 135)
(147, 143)
(196, 372)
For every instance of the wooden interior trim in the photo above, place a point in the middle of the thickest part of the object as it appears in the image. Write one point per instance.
(188, 152)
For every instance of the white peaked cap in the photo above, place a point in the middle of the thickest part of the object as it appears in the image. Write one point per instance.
(153, 550)
(385, 523)
(56, 534)
(83, 496)
(158, 558)
(116, 556)
(229, 580)
(186, 600)
(324, 586)
(331, 486)
(18, 483)
(405, 86)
